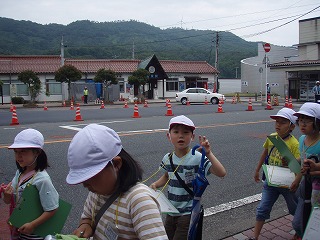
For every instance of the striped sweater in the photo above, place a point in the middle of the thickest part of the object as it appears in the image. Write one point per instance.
(138, 215)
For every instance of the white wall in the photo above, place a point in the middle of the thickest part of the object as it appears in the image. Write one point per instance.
(229, 85)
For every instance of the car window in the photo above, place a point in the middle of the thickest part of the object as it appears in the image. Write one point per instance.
(202, 91)
(192, 91)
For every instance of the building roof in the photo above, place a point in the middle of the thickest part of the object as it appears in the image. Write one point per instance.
(294, 64)
(49, 64)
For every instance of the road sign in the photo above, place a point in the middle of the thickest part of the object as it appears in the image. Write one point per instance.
(266, 47)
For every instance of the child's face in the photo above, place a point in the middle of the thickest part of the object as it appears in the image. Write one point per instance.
(25, 157)
(283, 126)
(180, 136)
(306, 124)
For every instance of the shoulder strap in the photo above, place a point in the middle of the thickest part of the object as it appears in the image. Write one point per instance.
(182, 183)
(104, 208)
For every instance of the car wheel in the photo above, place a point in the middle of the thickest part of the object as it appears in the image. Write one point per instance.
(184, 101)
(214, 100)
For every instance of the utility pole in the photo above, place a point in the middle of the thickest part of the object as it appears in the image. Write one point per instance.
(133, 49)
(62, 52)
(216, 64)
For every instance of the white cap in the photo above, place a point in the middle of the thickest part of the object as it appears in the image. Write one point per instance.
(90, 150)
(286, 113)
(28, 138)
(181, 120)
(317, 82)
(309, 109)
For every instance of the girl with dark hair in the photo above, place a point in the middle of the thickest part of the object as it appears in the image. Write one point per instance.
(31, 161)
(118, 205)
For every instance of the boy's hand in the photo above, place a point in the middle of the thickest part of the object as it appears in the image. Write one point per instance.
(256, 176)
(284, 162)
(205, 144)
(26, 228)
(153, 186)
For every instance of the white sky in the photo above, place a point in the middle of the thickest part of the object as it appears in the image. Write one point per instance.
(245, 18)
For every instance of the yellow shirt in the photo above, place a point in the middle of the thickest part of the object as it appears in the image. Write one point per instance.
(275, 156)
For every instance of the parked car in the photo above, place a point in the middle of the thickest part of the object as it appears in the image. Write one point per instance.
(198, 95)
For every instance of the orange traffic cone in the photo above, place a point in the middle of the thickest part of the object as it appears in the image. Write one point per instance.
(205, 101)
(145, 104)
(169, 110)
(233, 100)
(11, 107)
(136, 112)
(290, 103)
(188, 102)
(269, 107)
(14, 120)
(220, 109)
(102, 105)
(71, 106)
(64, 103)
(250, 106)
(78, 114)
(286, 104)
(125, 104)
(45, 108)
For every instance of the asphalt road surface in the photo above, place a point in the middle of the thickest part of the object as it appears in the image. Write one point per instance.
(236, 137)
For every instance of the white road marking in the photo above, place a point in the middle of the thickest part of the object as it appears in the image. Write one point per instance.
(231, 205)
(73, 127)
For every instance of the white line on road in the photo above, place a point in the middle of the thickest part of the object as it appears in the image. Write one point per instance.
(73, 127)
(231, 205)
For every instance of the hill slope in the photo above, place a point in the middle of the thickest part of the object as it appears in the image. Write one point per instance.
(87, 39)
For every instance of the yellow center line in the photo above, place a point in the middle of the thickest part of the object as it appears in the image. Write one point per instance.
(142, 132)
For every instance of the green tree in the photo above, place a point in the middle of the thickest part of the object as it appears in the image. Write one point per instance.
(107, 77)
(32, 80)
(138, 78)
(67, 74)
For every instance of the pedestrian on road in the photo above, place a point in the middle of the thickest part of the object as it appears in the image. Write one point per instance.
(181, 135)
(85, 95)
(309, 146)
(284, 125)
(316, 91)
(32, 162)
(118, 206)
(268, 92)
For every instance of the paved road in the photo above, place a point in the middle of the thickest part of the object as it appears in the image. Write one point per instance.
(236, 136)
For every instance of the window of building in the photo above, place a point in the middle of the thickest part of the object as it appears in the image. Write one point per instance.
(5, 88)
(172, 85)
(22, 89)
(53, 87)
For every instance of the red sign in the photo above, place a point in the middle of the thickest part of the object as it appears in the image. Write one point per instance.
(266, 47)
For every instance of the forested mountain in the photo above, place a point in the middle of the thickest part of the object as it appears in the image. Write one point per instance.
(123, 40)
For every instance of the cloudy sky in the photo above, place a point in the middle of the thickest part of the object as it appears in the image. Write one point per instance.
(273, 21)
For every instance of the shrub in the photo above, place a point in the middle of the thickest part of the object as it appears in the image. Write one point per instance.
(17, 100)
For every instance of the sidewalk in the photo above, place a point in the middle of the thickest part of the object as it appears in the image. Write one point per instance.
(279, 229)
(4, 215)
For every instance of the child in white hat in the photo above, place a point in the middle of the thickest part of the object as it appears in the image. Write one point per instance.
(309, 146)
(181, 134)
(32, 162)
(284, 124)
(96, 159)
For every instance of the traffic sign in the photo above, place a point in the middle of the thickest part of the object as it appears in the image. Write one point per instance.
(266, 47)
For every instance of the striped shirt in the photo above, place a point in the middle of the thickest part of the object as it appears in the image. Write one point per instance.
(138, 214)
(188, 167)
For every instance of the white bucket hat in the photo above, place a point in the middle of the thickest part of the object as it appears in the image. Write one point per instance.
(309, 109)
(286, 113)
(28, 138)
(90, 150)
(181, 120)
